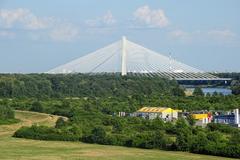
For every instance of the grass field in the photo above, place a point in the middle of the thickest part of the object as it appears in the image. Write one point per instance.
(23, 149)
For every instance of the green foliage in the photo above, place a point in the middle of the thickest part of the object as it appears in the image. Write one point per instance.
(37, 107)
(45, 133)
(235, 84)
(224, 128)
(199, 143)
(8, 121)
(177, 91)
(97, 135)
(6, 112)
(92, 102)
(198, 92)
(7, 115)
(95, 127)
(82, 85)
(60, 122)
(236, 88)
(191, 120)
(161, 140)
(183, 135)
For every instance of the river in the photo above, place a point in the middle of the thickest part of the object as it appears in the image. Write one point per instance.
(224, 91)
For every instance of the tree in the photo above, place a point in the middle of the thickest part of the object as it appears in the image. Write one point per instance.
(177, 91)
(36, 107)
(160, 140)
(199, 143)
(6, 113)
(98, 135)
(184, 135)
(118, 125)
(157, 124)
(198, 92)
(191, 120)
(235, 138)
(236, 88)
(60, 122)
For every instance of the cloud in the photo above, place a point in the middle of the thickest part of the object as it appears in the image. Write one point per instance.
(38, 27)
(23, 18)
(65, 33)
(224, 34)
(151, 18)
(103, 21)
(179, 34)
(108, 18)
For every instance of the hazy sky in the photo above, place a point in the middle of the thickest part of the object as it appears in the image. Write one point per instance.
(36, 36)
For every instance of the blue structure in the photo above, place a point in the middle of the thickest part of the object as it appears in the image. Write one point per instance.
(225, 119)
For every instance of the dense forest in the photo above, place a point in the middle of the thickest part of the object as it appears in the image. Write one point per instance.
(92, 103)
(82, 85)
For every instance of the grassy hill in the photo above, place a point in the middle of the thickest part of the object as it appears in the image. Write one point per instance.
(14, 148)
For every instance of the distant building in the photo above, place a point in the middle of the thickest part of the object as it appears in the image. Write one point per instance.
(121, 114)
(230, 118)
(167, 114)
(202, 117)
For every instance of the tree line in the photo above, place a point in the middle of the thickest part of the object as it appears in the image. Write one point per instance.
(82, 85)
(235, 85)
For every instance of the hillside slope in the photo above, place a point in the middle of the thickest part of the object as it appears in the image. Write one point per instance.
(24, 149)
(27, 119)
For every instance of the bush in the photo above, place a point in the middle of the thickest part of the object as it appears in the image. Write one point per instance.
(45, 133)
(116, 139)
(6, 113)
(37, 107)
(9, 121)
(60, 122)
(97, 135)
(199, 143)
(198, 92)
(224, 128)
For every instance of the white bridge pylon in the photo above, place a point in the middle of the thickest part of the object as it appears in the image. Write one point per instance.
(126, 57)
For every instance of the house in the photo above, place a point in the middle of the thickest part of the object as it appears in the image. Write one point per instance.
(167, 114)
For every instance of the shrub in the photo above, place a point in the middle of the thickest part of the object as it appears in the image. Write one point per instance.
(60, 122)
(36, 107)
(6, 113)
(45, 133)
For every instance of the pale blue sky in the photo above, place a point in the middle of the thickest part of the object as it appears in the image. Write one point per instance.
(36, 36)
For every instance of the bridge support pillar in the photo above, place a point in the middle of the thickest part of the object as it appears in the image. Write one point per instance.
(124, 56)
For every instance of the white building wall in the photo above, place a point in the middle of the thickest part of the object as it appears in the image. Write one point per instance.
(236, 112)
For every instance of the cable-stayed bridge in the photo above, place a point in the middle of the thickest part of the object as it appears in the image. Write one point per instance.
(129, 58)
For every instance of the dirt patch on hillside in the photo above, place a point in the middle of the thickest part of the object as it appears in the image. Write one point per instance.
(27, 119)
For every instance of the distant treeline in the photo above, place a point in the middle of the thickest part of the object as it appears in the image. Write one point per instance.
(83, 85)
(233, 75)
(235, 85)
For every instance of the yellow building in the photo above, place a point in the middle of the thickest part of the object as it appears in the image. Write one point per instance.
(161, 112)
(200, 116)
